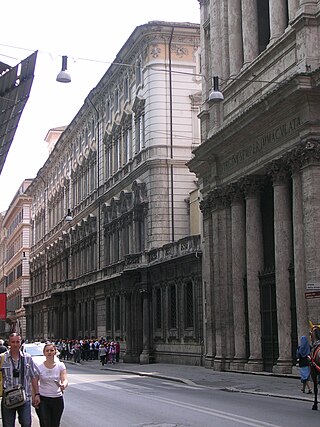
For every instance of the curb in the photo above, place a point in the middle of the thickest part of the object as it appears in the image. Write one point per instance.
(264, 393)
(161, 376)
(228, 389)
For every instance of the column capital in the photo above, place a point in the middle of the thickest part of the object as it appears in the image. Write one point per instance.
(306, 153)
(252, 185)
(294, 161)
(310, 153)
(144, 291)
(216, 199)
(279, 171)
(235, 193)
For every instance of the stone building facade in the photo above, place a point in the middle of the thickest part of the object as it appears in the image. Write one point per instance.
(259, 174)
(125, 265)
(15, 236)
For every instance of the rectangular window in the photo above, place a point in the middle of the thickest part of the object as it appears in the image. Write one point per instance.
(138, 73)
(108, 314)
(173, 307)
(116, 154)
(139, 133)
(126, 239)
(109, 161)
(117, 313)
(189, 306)
(108, 111)
(126, 89)
(116, 100)
(127, 145)
(93, 315)
(158, 309)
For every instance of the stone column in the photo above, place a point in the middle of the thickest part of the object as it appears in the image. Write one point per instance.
(128, 354)
(235, 36)
(226, 277)
(278, 18)
(216, 37)
(250, 30)
(218, 286)
(145, 355)
(207, 277)
(299, 256)
(254, 258)
(64, 315)
(238, 236)
(308, 5)
(293, 6)
(283, 258)
(71, 315)
(311, 218)
(55, 326)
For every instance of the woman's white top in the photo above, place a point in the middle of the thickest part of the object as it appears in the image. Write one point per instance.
(49, 379)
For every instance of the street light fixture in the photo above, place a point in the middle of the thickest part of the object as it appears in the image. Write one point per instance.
(69, 217)
(64, 76)
(215, 95)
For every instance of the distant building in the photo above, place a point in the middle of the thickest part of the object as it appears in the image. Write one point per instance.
(15, 238)
(127, 263)
(259, 175)
(52, 137)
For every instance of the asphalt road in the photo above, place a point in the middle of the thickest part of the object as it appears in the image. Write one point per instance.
(106, 398)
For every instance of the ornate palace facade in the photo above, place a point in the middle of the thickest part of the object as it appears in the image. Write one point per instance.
(124, 265)
(259, 173)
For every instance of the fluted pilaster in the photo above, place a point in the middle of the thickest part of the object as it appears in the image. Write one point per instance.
(250, 30)
(254, 257)
(238, 237)
(283, 258)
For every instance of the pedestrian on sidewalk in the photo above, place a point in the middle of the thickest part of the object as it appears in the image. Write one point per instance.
(303, 351)
(117, 346)
(52, 383)
(18, 368)
(103, 354)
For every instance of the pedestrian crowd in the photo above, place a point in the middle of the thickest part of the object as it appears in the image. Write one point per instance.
(103, 349)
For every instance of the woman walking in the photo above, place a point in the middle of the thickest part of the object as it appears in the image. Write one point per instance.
(303, 352)
(52, 383)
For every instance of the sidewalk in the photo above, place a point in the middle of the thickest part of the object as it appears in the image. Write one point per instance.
(268, 384)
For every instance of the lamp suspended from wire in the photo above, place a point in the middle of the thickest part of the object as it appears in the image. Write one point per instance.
(68, 217)
(64, 76)
(215, 95)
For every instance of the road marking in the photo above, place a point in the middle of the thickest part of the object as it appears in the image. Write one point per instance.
(215, 412)
(177, 385)
(109, 386)
(81, 387)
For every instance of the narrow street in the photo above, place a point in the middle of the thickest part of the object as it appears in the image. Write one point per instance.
(106, 398)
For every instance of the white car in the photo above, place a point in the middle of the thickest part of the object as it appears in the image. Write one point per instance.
(35, 349)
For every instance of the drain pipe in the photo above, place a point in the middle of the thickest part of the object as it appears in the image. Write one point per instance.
(98, 185)
(171, 136)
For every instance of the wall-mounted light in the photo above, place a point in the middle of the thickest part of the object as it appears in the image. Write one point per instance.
(69, 217)
(215, 95)
(64, 76)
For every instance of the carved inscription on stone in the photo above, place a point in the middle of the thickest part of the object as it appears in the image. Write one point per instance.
(262, 144)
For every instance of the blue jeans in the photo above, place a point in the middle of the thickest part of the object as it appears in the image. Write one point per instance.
(9, 415)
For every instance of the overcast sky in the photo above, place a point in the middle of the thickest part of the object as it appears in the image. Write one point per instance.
(79, 29)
